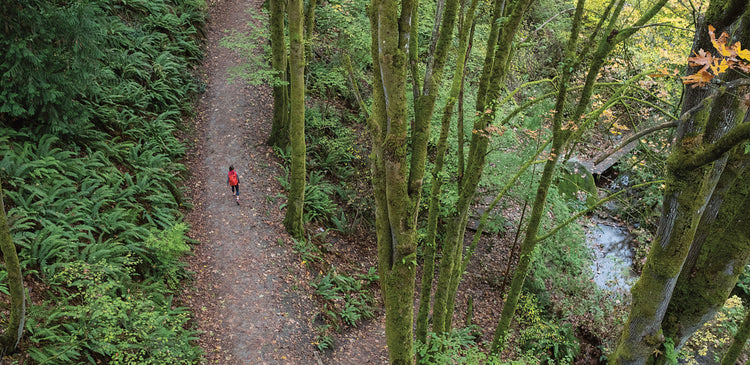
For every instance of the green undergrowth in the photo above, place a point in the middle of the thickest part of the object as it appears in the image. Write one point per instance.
(91, 174)
(345, 300)
(344, 296)
(338, 178)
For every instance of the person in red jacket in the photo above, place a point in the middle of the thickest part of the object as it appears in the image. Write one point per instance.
(234, 181)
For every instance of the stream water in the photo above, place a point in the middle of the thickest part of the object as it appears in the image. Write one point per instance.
(613, 256)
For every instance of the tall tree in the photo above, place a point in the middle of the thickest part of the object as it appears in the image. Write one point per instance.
(398, 182)
(279, 136)
(428, 269)
(14, 330)
(396, 202)
(702, 242)
(297, 173)
(309, 27)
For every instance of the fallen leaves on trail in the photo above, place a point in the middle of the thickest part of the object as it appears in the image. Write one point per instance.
(239, 294)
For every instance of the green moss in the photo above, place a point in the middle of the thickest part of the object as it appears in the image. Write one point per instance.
(654, 339)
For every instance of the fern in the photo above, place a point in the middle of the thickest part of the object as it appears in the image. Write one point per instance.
(94, 174)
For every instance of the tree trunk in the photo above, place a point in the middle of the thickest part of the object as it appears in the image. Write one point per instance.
(396, 206)
(309, 28)
(493, 74)
(279, 136)
(696, 190)
(297, 173)
(9, 339)
(428, 269)
(717, 256)
(740, 338)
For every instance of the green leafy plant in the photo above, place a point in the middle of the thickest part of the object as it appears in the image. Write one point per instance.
(346, 298)
(166, 248)
(457, 347)
(545, 339)
(318, 204)
(324, 339)
(669, 352)
(309, 253)
(89, 162)
(106, 318)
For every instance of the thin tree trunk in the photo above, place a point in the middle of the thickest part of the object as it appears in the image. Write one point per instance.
(355, 85)
(740, 339)
(428, 269)
(297, 173)
(499, 47)
(279, 136)
(309, 28)
(460, 122)
(14, 329)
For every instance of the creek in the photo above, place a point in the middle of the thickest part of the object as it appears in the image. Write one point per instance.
(613, 255)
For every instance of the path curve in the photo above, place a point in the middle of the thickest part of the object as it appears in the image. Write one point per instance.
(241, 297)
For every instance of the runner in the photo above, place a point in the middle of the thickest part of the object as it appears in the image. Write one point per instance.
(234, 181)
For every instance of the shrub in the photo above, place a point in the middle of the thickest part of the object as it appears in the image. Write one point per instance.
(102, 318)
(547, 340)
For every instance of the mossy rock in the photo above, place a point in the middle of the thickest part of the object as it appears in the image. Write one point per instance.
(575, 178)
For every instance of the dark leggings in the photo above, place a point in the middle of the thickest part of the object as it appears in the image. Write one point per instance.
(236, 189)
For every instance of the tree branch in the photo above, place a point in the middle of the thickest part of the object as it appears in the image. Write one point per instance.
(664, 25)
(632, 138)
(586, 211)
(734, 137)
(355, 86)
(547, 21)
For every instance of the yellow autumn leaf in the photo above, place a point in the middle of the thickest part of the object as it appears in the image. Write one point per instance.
(700, 78)
(620, 126)
(719, 66)
(742, 53)
(721, 43)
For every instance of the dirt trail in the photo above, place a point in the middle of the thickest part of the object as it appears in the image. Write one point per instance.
(250, 296)
(241, 297)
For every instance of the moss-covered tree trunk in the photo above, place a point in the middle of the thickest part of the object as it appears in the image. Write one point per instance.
(740, 339)
(398, 182)
(717, 256)
(692, 266)
(493, 74)
(309, 28)
(428, 269)
(14, 329)
(279, 136)
(396, 202)
(297, 174)
(720, 247)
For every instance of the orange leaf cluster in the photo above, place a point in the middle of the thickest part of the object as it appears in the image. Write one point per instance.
(729, 56)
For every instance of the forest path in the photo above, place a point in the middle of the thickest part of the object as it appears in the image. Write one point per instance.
(241, 296)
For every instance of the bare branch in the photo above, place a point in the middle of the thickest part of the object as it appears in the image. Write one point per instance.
(547, 21)
(632, 138)
(664, 25)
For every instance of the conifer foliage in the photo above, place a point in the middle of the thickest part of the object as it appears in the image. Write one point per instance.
(91, 97)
